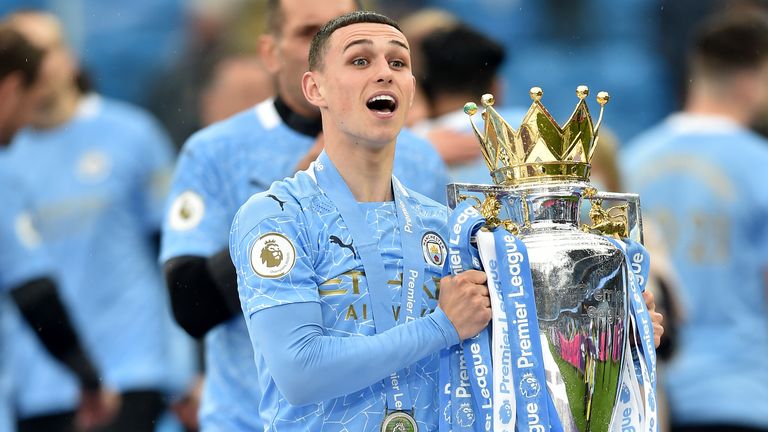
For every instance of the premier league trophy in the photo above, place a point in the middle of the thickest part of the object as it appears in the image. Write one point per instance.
(570, 346)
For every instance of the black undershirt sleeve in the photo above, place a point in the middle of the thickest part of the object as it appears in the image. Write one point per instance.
(40, 305)
(203, 291)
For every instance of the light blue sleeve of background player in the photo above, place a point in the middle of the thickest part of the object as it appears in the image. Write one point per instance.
(22, 257)
(419, 167)
(158, 157)
(195, 188)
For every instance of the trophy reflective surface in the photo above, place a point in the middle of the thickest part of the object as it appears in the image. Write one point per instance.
(580, 278)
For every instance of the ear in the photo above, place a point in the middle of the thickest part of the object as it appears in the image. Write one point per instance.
(267, 47)
(311, 85)
(744, 88)
(10, 87)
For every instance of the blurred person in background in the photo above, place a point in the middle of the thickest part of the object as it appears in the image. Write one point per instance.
(238, 83)
(701, 176)
(176, 91)
(416, 26)
(459, 66)
(26, 274)
(98, 172)
(122, 45)
(219, 169)
(663, 282)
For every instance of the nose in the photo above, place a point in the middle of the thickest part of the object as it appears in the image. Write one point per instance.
(383, 71)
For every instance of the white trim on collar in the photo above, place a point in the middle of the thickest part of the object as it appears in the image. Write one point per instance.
(267, 114)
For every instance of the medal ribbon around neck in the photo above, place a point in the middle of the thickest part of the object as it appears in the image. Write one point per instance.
(334, 186)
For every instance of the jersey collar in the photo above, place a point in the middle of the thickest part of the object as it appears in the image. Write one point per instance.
(297, 122)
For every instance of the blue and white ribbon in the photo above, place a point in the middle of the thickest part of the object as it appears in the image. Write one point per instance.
(636, 405)
(468, 364)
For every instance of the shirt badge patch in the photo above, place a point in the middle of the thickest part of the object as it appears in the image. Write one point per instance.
(433, 247)
(186, 211)
(94, 166)
(26, 232)
(272, 256)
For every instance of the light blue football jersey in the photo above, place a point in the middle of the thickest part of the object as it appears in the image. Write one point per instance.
(99, 183)
(219, 169)
(22, 259)
(319, 263)
(703, 180)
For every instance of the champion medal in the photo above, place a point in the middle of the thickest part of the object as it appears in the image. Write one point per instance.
(399, 421)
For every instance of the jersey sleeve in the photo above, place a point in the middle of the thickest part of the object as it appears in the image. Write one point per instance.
(22, 257)
(273, 256)
(157, 168)
(419, 166)
(197, 219)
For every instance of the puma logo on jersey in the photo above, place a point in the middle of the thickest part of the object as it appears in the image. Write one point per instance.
(279, 201)
(336, 240)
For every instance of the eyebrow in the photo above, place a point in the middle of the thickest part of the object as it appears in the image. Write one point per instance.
(370, 42)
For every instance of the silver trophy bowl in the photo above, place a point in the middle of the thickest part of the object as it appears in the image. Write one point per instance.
(580, 281)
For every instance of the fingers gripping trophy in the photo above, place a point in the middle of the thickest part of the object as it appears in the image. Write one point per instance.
(570, 347)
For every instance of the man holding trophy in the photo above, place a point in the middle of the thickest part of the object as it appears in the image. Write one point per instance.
(339, 283)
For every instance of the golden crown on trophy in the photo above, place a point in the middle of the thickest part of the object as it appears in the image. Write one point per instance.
(540, 150)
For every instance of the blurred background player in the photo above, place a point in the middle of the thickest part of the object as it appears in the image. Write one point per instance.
(238, 83)
(25, 271)
(219, 169)
(449, 78)
(98, 170)
(701, 176)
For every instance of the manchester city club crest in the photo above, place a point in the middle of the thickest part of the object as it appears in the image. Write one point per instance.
(272, 256)
(433, 248)
(186, 211)
(94, 166)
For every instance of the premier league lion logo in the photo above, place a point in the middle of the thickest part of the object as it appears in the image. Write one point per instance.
(465, 416)
(271, 255)
(505, 412)
(529, 386)
(447, 413)
(625, 395)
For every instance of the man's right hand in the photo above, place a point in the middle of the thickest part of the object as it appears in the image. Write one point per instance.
(97, 408)
(465, 301)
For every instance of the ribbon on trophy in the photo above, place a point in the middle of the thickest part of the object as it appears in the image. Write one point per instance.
(636, 406)
(516, 383)
(496, 380)
(466, 390)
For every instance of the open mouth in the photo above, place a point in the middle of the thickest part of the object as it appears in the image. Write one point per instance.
(384, 104)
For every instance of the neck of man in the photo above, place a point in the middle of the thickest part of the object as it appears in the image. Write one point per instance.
(61, 110)
(712, 100)
(448, 103)
(297, 103)
(365, 167)
(309, 126)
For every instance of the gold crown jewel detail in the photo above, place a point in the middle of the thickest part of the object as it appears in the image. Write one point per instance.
(540, 150)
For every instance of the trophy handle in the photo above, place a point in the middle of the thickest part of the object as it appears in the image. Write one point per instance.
(614, 213)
